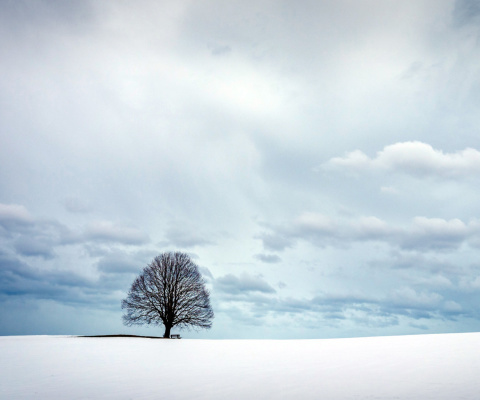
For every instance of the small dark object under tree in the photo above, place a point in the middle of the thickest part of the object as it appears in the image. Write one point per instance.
(169, 291)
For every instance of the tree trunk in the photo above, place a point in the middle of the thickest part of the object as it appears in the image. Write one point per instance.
(167, 331)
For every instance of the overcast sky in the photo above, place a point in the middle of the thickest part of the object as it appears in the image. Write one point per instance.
(319, 160)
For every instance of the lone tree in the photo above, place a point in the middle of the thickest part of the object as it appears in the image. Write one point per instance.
(169, 291)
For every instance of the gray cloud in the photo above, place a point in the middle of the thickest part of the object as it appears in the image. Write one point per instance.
(182, 236)
(110, 232)
(45, 12)
(268, 258)
(367, 310)
(119, 263)
(31, 246)
(403, 303)
(277, 241)
(219, 50)
(206, 273)
(76, 205)
(32, 237)
(466, 12)
(243, 284)
(21, 279)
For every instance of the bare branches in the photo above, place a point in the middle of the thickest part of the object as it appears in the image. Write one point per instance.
(169, 291)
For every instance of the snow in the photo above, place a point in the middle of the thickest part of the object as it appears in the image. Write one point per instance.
(402, 367)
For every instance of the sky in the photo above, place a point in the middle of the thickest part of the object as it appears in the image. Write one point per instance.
(318, 160)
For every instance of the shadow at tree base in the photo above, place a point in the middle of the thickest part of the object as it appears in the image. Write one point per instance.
(122, 336)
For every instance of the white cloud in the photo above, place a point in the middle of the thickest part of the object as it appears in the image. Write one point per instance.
(14, 213)
(421, 233)
(371, 227)
(362, 228)
(413, 158)
(353, 160)
(438, 233)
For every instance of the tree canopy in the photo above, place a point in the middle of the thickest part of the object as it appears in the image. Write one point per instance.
(169, 291)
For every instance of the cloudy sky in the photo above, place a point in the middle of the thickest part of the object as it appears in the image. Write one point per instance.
(319, 160)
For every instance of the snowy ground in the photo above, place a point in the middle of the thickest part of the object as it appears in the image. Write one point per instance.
(402, 367)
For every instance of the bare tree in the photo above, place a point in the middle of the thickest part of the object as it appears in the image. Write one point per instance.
(169, 291)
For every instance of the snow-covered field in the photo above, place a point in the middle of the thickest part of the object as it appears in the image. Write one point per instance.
(402, 367)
